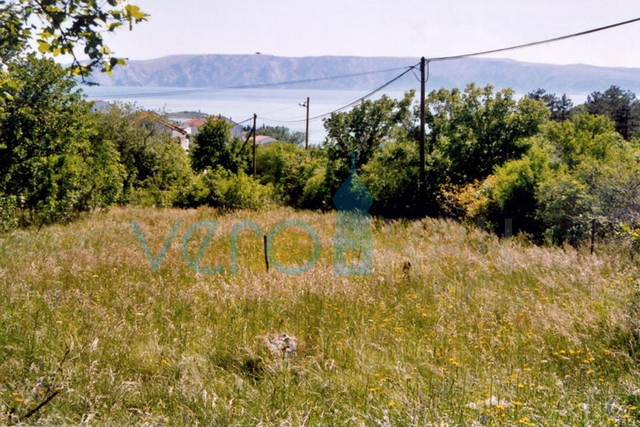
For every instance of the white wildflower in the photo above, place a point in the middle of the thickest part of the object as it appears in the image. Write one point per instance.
(492, 401)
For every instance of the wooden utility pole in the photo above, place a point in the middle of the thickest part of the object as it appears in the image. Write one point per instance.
(306, 138)
(255, 118)
(422, 183)
(306, 135)
(593, 235)
(266, 252)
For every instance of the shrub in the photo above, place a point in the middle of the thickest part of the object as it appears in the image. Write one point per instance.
(391, 177)
(221, 188)
(565, 208)
(193, 194)
(510, 193)
(237, 191)
(288, 168)
(8, 213)
(315, 194)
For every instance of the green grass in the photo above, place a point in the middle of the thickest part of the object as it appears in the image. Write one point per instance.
(550, 333)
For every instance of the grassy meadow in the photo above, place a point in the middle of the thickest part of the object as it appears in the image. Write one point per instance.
(478, 331)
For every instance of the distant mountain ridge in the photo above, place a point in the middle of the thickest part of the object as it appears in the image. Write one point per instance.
(223, 71)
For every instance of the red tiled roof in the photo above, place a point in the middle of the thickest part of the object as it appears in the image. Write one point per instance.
(158, 119)
(195, 122)
(264, 138)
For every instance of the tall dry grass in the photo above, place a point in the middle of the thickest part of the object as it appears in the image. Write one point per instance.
(477, 331)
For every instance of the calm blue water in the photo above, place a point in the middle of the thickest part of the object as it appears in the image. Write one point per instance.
(274, 107)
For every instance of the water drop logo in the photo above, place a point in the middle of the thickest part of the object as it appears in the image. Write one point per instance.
(353, 241)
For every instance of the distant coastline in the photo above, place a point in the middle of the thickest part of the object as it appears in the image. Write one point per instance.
(264, 71)
(274, 107)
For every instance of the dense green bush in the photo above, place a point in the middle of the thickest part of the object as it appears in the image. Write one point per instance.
(214, 147)
(288, 168)
(192, 195)
(149, 163)
(576, 172)
(44, 144)
(223, 189)
(316, 194)
(8, 213)
(565, 208)
(391, 177)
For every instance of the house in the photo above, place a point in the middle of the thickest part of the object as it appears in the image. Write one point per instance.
(236, 129)
(193, 125)
(160, 123)
(264, 139)
(150, 119)
(99, 106)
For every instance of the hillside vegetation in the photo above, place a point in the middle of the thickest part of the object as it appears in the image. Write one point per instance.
(560, 173)
(476, 331)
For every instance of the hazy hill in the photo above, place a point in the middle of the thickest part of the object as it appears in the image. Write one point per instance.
(243, 70)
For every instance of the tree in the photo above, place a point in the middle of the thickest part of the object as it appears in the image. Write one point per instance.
(576, 172)
(585, 136)
(151, 159)
(391, 177)
(512, 193)
(61, 26)
(475, 131)
(105, 173)
(282, 133)
(597, 178)
(559, 107)
(213, 146)
(288, 168)
(620, 106)
(46, 157)
(362, 131)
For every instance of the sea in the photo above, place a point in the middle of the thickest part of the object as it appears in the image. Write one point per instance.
(273, 107)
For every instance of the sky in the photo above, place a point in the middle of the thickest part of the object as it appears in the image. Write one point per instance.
(399, 28)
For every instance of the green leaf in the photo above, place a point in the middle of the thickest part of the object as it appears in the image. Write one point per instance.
(9, 85)
(43, 46)
(135, 12)
(114, 25)
(47, 34)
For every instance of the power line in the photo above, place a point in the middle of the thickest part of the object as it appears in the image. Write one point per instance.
(428, 61)
(467, 55)
(244, 121)
(281, 109)
(251, 86)
(428, 74)
(295, 120)
(536, 43)
(362, 98)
